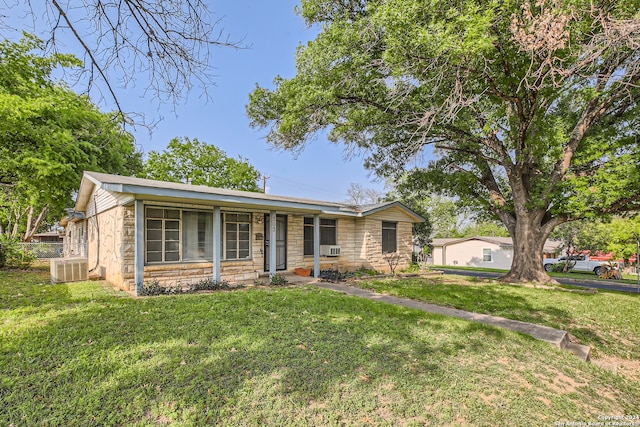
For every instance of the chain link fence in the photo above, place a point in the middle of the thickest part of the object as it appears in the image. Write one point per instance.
(43, 250)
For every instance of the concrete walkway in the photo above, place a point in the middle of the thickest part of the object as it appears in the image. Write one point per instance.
(553, 336)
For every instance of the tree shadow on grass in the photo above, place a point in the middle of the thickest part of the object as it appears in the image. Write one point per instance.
(203, 358)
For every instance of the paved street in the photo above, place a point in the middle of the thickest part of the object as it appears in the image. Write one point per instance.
(581, 280)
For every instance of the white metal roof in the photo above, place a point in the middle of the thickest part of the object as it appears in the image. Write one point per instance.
(171, 191)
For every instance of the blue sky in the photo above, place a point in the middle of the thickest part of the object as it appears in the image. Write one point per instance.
(273, 31)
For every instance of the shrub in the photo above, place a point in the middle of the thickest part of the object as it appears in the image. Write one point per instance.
(413, 268)
(154, 288)
(335, 275)
(13, 255)
(558, 268)
(278, 280)
(364, 271)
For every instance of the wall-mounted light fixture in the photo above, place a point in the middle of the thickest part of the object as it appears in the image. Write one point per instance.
(259, 218)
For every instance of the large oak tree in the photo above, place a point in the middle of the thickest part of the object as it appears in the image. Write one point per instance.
(528, 108)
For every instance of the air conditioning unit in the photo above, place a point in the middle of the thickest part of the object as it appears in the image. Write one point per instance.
(68, 270)
(329, 250)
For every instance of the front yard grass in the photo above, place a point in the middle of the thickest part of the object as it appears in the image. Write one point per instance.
(82, 354)
(606, 320)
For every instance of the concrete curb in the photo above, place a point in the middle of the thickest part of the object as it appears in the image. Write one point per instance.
(555, 337)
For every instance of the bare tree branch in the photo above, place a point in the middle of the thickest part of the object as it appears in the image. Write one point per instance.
(166, 45)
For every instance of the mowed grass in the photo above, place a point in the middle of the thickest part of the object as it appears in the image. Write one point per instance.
(608, 321)
(82, 354)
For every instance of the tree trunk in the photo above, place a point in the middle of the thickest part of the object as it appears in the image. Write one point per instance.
(528, 244)
(33, 229)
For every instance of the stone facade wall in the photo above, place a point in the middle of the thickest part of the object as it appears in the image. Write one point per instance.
(110, 246)
(358, 238)
(184, 274)
(128, 246)
(295, 242)
(373, 245)
(178, 274)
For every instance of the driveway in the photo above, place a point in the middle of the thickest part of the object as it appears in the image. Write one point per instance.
(578, 281)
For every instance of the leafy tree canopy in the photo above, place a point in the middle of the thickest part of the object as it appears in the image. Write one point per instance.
(485, 228)
(530, 109)
(619, 236)
(199, 163)
(48, 136)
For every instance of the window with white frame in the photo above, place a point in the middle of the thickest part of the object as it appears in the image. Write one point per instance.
(486, 255)
(237, 236)
(389, 237)
(173, 235)
(328, 233)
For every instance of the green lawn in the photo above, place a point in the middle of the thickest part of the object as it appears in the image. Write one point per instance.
(607, 321)
(82, 354)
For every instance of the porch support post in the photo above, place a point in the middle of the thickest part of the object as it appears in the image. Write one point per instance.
(217, 242)
(272, 243)
(138, 257)
(316, 246)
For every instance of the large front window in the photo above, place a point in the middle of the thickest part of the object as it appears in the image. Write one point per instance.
(174, 235)
(327, 233)
(197, 236)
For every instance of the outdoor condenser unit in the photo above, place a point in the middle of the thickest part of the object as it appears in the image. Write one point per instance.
(68, 270)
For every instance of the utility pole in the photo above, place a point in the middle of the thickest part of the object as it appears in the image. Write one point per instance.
(264, 183)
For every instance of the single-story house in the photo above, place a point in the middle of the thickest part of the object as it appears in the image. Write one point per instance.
(133, 231)
(47, 237)
(478, 251)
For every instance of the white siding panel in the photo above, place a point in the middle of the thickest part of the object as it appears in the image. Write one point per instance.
(101, 200)
(394, 214)
(469, 254)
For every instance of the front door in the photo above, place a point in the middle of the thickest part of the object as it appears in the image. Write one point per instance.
(281, 242)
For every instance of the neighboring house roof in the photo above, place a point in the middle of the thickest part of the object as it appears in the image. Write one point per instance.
(47, 234)
(165, 191)
(549, 246)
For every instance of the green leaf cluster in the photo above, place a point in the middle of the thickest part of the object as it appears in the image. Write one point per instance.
(190, 160)
(49, 134)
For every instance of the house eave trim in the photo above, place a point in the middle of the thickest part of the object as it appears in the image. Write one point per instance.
(142, 192)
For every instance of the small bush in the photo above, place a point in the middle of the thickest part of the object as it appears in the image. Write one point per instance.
(336, 275)
(413, 268)
(278, 280)
(154, 288)
(558, 268)
(13, 255)
(364, 271)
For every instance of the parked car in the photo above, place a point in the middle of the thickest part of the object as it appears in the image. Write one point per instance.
(581, 263)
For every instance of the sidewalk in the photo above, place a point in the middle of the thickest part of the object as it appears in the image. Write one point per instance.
(556, 337)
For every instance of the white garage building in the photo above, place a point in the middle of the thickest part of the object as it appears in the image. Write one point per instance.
(478, 251)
